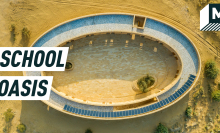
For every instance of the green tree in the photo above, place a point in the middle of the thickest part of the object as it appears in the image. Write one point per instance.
(216, 95)
(188, 112)
(9, 115)
(88, 131)
(21, 128)
(145, 82)
(161, 129)
(211, 71)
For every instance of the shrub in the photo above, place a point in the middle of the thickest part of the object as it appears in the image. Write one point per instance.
(13, 33)
(12, 29)
(21, 128)
(216, 95)
(201, 90)
(68, 65)
(211, 71)
(161, 129)
(145, 82)
(26, 33)
(188, 112)
(9, 115)
(88, 131)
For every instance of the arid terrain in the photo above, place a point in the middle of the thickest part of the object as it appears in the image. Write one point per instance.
(40, 15)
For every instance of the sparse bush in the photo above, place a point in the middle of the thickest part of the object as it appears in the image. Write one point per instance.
(9, 115)
(13, 32)
(88, 131)
(21, 128)
(12, 29)
(68, 65)
(216, 95)
(201, 90)
(211, 71)
(26, 33)
(188, 112)
(145, 82)
(196, 95)
(161, 129)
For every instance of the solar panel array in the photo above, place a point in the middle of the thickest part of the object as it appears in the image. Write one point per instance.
(132, 112)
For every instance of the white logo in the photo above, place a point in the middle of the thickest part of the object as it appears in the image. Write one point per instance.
(210, 18)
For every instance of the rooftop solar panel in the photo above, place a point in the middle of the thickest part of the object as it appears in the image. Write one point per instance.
(82, 112)
(192, 76)
(141, 110)
(111, 114)
(118, 114)
(97, 114)
(167, 101)
(106, 114)
(169, 98)
(73, 110)
(65, 107)
(76, 110)
(100, 114)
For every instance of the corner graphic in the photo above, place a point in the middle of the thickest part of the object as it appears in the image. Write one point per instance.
(210, 18)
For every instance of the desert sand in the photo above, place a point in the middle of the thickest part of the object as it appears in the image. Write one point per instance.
(41, 15)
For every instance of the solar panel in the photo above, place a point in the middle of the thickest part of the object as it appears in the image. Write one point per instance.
(184, 88)
(123, 113)
(169, 98)
(129, 112)
(109, 114)
(188, 84)
(132, 112)
(161, 103)
(155, 106)
(175, 96)
(82, 112)
(179, 92)
(76, 110)
(141, 110)
(88, 112)
(150, 107)
(106, 114)
(145, 109)
(114, 114)
(126, 113)
(118, 114)
(172, 97)
(73, 110)
(103, 114)
(92, 113)
(85, 113)
(97, 114)
(158, 104)
(192, 76)
(192, 79)
(167, 101)
(138, 111)
(65, 107)
(79, 111)
(70, 108)
(100, 114)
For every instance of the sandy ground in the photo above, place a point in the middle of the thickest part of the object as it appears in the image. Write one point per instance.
(107, 68)
(40, 15)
